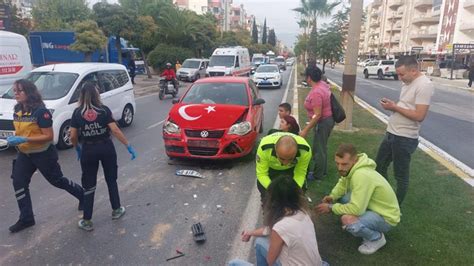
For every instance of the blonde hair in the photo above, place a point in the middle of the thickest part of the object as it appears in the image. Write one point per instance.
(90, 97)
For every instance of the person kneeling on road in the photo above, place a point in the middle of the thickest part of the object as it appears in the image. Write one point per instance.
(281, 154)
(288, 237)
(95, 122)
(368, 204)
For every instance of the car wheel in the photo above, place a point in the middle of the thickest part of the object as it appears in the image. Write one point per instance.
(64, 141)
(366, 74)
(380, 74)
(395, 77)
(161, 95)
(127, 116)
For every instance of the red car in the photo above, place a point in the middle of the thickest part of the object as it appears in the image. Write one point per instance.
(217, 118)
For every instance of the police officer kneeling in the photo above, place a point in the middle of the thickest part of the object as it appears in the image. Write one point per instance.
(282, 154)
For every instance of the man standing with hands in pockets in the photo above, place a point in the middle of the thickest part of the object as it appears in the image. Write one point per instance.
(404, 123)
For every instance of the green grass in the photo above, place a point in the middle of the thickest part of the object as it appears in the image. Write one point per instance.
(437, 223)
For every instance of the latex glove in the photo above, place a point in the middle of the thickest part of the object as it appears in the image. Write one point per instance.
(16, 140)
(132, 151)
(79, 152)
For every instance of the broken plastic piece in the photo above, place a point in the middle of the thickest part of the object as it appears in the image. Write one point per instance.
(190, 173)
(198, 233)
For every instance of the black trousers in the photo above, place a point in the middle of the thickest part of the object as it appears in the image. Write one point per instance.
(47, 163)
(92, 154)
(272, 173)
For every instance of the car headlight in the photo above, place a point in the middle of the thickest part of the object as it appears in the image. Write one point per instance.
(171, 128)
(240, 129)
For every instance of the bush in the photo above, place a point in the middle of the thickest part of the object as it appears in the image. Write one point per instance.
(164, 53)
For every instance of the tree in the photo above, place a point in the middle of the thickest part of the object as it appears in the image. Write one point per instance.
(89, 38)
(59, 14)
(254, 32)
(151, 8)
(330, 45)
(114, 20)
(264, 32)
(18, 24)
(272, 38)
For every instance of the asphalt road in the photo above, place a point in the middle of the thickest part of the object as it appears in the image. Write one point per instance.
(450, 121)
(160, 205)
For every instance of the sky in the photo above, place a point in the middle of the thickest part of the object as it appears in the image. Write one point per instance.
(279, 14)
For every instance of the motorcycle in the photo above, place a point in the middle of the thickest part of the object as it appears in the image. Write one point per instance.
(167, 87)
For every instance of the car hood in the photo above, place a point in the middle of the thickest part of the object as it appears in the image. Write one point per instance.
(6, 108)
(188, 70)
(206, 116)
(266, 75)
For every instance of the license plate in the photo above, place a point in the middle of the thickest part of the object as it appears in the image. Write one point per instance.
(203, 143)
(5, 134)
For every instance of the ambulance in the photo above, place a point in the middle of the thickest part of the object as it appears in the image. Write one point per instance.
(229, 61)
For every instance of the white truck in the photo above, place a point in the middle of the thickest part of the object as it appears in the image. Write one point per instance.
(381, 69)
(15, 60)
(229, 61)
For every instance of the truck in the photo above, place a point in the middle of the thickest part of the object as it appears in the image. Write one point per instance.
(52, 47)
(229, 61)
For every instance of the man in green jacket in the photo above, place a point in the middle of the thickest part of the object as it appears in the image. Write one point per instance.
(364, 198)
(281, 154)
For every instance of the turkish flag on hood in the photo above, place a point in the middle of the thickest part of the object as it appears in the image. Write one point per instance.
(205, 116)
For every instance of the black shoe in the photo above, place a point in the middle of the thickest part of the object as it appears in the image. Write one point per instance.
(20, 225)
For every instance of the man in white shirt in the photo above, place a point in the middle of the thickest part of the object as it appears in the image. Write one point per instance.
(403, 128)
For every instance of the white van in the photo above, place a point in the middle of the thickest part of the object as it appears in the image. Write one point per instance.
(60, 85)
(229, 61)
(15, 60)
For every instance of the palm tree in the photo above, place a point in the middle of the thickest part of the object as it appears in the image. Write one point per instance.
(311, 10)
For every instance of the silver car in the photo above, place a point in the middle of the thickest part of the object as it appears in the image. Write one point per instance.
(192, 69)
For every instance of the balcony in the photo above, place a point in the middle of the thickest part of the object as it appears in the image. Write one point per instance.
(467, 27)
(469, 5)
(426, 21)
(374, 14)
(375, 24)
(424, 4)
(396, 4)
(395, 16)
(376, 3)
(396, 28)
(424, 35)
(373, 33)
(394, 39)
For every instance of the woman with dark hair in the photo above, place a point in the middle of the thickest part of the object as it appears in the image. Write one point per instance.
(288, 237)
(34, 142)
(318, 108)
(94, 121)
(287, 124)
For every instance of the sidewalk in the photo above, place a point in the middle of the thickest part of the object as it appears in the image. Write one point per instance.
(144, 85)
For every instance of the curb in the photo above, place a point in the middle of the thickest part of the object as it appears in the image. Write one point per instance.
(454, 165)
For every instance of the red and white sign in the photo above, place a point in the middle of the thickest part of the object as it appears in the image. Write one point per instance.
(10, 62)
(448, 24)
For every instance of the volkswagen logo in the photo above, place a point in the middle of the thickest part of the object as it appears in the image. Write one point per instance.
(204, 134)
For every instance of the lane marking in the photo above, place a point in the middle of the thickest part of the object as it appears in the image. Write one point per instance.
(239, 249)
(454, 165)
(156, 124)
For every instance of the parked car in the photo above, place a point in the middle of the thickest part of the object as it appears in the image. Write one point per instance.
(217, 118)
(192, 69)
(381, 69)
(281, 62)
(60, 87)
(290, 61)
(268, 76)
(365, 62)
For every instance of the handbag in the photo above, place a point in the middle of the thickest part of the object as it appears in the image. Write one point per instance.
(338, 113)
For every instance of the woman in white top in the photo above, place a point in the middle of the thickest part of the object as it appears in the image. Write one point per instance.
(291, 239)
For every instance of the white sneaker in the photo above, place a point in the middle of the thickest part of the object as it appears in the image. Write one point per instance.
(370, 247)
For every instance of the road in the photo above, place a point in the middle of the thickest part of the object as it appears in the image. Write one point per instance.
(450, 121)
(160, 205)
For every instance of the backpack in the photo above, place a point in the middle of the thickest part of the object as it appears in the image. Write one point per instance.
(338, 113)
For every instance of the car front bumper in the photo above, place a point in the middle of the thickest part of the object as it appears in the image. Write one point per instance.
(269, 83)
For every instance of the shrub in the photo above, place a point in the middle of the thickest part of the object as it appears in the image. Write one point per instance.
(164, 53)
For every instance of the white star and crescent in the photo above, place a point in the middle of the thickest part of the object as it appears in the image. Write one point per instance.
(184, 115)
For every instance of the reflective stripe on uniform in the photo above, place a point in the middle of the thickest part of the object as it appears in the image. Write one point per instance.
(19, 191)
(20, 197)
(89, 191)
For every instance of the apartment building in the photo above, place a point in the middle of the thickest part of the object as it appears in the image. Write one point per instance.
(229, 17)
(396, 27)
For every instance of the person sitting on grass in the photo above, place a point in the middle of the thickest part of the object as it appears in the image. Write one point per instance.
(367, 202)
(289, 237)
(284, 109)
(287, 124)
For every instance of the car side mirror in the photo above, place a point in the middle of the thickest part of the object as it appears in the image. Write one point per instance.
(175, 101)
(259, 101)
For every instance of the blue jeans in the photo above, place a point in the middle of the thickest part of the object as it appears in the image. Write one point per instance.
(370, 225)
(261, 249)
(398, 150)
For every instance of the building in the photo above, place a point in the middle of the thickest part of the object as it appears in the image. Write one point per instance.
(198, 6)
(24, 7)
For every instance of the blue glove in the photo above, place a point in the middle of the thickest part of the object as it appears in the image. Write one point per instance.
(132, 151)
(79, 152)
(16, 140)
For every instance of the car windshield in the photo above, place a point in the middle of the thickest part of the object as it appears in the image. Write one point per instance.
(280, 60)
(51, 85)
(217, 93)
(222, 60)
(267, 69)
(257, 59)
(190, 64)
